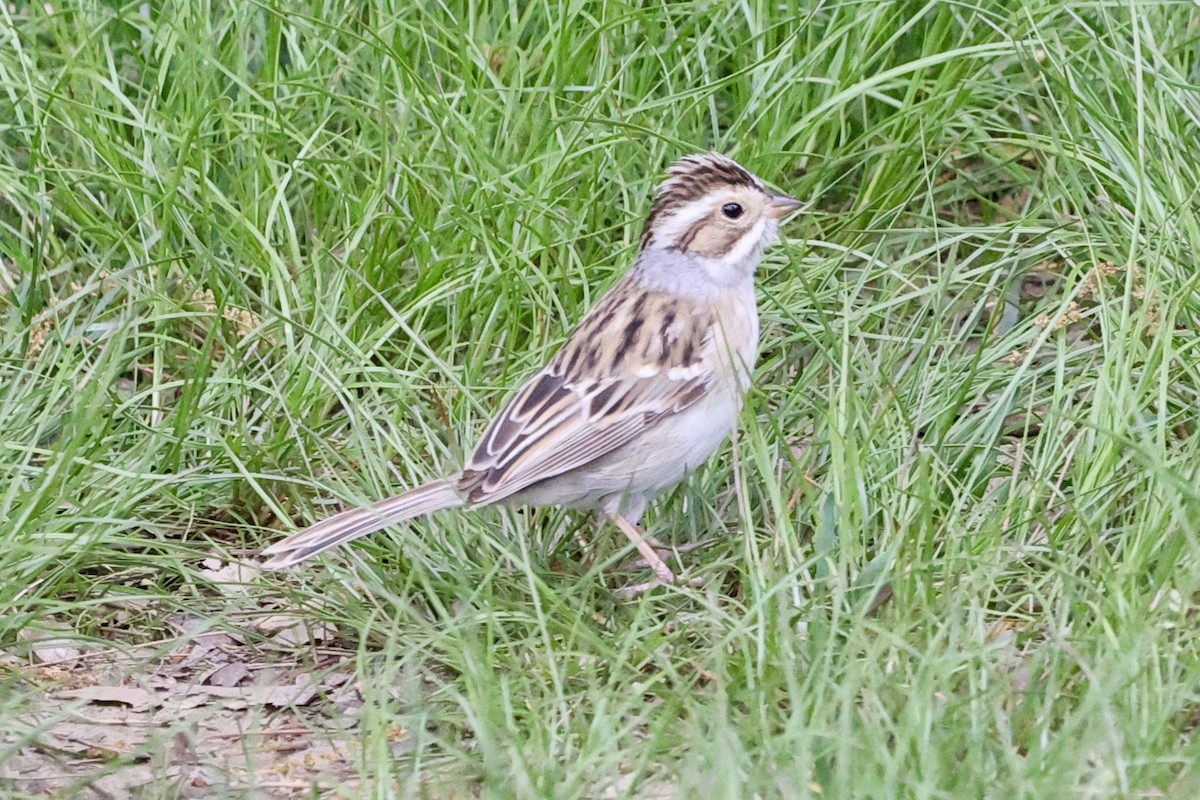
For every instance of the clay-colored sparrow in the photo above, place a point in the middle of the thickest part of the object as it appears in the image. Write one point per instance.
(644, 390)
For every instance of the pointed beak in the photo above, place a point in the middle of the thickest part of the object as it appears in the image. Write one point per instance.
(781, 205)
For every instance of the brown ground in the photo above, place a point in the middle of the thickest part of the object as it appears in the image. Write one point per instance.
(200, 711)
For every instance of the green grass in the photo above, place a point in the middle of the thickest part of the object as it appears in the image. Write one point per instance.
(257, 262)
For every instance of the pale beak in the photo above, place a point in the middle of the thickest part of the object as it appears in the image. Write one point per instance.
(781, 205)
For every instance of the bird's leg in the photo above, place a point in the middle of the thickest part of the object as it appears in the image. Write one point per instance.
(661, 570)
(665, 549)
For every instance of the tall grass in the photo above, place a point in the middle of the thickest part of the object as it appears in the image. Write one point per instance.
(262, 260)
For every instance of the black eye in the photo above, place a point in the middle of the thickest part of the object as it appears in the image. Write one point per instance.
(731, 210)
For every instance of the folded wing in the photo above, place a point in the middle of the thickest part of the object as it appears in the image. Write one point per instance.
(596, 395)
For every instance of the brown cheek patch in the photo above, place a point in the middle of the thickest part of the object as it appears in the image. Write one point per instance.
(714, 240)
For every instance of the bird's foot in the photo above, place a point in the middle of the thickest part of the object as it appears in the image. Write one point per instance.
(639, 589)
(663, 550)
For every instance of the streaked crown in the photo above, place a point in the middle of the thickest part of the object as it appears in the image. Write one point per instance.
(693, 177)
(713, 207)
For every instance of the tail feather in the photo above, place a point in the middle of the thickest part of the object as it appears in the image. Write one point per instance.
(355, 523)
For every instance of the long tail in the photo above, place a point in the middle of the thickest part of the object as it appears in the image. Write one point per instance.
(358, 522)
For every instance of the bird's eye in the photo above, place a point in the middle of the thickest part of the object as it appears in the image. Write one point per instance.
(731, 210)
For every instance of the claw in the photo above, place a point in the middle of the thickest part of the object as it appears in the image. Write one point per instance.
(639, 589)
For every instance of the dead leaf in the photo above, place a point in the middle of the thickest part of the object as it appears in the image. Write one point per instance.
(275, 622)
(294, 630)
(299, 693)
(198, 714)
(651, 788)
(91, 740)
(46, 647)
(230, 580)
(304, 633)
(204, 645)
(136, 698)
(227, 675)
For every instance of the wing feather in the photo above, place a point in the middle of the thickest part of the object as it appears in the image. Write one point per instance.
(596, 395)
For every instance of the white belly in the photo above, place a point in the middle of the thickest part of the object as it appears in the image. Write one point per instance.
(680, 444)
(663, 455)
(625, 480)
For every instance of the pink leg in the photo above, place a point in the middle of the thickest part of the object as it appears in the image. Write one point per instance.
(661, 570)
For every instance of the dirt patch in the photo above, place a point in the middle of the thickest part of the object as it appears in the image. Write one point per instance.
(201, 711)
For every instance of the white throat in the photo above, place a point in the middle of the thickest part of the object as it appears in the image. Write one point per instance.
(741, 261)
(698, 276)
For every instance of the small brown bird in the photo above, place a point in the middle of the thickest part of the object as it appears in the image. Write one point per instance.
(644, 390)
